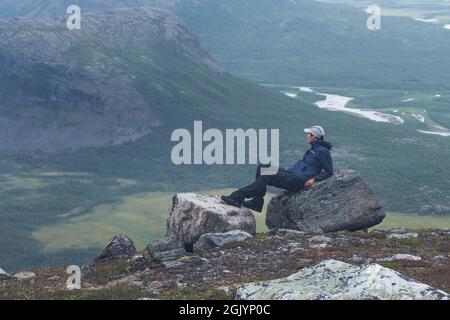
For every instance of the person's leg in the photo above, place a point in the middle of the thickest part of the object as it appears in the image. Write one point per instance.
(287, 181)
(256, 190)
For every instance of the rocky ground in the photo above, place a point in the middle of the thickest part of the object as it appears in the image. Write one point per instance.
(217, 273)
(212, 251)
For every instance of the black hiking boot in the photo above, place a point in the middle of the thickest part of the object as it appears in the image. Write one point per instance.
(231, 201)
(255, 204)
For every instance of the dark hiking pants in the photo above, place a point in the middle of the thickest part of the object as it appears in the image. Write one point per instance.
(283, 179)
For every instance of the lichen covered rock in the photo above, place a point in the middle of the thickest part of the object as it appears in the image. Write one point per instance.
(336, 280)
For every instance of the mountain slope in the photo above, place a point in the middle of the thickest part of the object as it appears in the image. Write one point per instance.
(306, 42)
(89, 95)
(300, 41)
(112, 93)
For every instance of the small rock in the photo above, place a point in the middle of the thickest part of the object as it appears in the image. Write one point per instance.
(285, 233)
(137, 258)
(400, 230)
(164, 244)
(170, 255)
(138, 262)
(212, 240)
(4, 275)
(357, 259)
(399, 236)
(320, 239)
(440, 258)
(53, 278)
(167, 249)
(405, 257)
(225, 289)
(25, 276)
(294, 250)
(120, 246)
(200, 263)
(173, 264)
(86, 270)
(320, 246)
(129, 280)
(364, 254)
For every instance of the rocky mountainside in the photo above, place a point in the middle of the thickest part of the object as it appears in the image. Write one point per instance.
(211, 251)
(104, 84)
(235, 269)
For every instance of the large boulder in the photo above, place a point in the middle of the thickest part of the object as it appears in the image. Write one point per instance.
(193, 215)
(335, 280)
(343, 202)
(120, 246)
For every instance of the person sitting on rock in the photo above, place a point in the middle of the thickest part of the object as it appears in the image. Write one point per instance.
(317, 165)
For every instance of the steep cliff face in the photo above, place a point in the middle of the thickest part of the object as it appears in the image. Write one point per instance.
(107, 83)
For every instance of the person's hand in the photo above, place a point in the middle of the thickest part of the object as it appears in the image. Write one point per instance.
(310, 182)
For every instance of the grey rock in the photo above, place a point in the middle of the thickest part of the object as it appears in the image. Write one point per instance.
(399, 236)
(320, 239)
(128, 280)
(193, 215)
(53, 278)
(164, 244)
(25, 276)
(320, 246)
(170, 255)
(404, 257)
(336, 280)
(357, 259)
(285, 233)
(4, 275)
(86, 270)
(138, 262)
(343, 202)
(173, 264)
(120, 246)
(167, 249)
(399, 230)
(440, 258)
(212, 240)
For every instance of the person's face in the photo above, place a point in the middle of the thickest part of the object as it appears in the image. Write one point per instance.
(310, 137)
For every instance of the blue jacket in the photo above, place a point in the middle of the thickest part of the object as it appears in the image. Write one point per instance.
(316, 163)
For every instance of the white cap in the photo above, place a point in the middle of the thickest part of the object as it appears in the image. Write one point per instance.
(316, 131)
